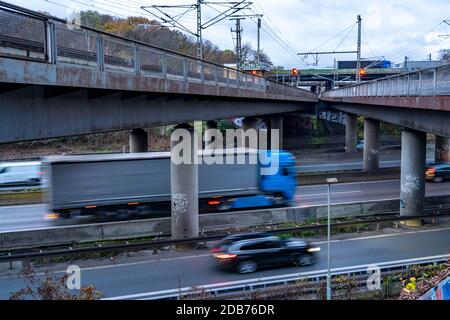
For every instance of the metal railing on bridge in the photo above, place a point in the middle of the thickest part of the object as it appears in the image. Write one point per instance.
(425, 82)
(26, 34)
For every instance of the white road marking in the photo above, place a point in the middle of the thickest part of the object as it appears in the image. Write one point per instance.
(349, 163)
(348, 183)
(22, 206)
(382, 235)
(342, 203)
(324, 194)
(127, 264)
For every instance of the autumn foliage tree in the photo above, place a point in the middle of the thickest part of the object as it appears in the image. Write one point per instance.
(151, 32)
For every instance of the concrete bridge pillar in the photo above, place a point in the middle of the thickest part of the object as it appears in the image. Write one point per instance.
(276, 122)
(442, 150)
(412, 176)
(138, 140)
(249, 123)
(351, 132)
(371, 149)
(184, 184)
(209, 142)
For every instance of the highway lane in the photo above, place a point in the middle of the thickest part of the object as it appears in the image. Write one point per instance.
(346, 165)
(32, 216)
(307, 167)
(200, 269)
(303, 167)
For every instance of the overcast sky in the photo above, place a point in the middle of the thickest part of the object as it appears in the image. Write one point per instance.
(391, 28)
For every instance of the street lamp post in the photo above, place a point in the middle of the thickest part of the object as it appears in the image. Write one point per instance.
(329, 182)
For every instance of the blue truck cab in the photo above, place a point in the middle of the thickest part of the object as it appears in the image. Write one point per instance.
(275, 189)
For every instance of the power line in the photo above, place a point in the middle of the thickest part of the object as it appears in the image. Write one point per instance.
(161, 13)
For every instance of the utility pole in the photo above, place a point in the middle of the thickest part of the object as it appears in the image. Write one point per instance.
(238, 39)
(358, 52)
(199, 30)
(335, 75)
(162, 14)
(258, 50)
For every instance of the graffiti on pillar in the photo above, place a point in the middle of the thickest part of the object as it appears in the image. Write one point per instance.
(402, 204)
(179, 204)
(336, 117)
(410, 184)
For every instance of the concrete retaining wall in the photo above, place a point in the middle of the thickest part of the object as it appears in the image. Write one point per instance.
(209, 222)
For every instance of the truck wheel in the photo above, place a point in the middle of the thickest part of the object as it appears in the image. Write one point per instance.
(278, 200)
(247, 267)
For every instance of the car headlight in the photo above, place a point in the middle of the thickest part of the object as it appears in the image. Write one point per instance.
(316, 249)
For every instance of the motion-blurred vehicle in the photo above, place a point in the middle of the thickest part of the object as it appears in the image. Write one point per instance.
(360, 145)
(127, 186)
(246, 253)
(20, 173)
(437, 171)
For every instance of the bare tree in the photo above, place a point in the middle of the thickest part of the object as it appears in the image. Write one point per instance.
(444, 54)
(50, 287)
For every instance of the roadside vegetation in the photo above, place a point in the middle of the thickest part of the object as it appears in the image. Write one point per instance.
(51, 287)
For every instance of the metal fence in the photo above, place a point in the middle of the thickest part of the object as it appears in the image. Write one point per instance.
(30, 35)
(425, 82)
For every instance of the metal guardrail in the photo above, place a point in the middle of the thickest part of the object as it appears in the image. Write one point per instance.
(36, 252)
(25, 34)
(218, 289)
(425, 82)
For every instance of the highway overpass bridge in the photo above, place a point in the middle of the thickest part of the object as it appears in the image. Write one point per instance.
(57, 80)
(62, 80)
(419, 102)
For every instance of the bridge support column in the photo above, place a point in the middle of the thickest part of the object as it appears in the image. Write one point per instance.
(412, 176)
(371, 150)
(208, 137)
(138, 140)
(442, 150)
(184, 184)
(351, 132)
(249, 123)
(276, 122)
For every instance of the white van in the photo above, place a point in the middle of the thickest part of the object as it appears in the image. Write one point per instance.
(28, 173)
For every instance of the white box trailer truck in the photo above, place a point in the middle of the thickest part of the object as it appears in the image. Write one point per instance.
(138, 184)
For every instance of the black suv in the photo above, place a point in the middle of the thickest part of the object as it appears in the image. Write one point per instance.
(247, 252)
(438, 171)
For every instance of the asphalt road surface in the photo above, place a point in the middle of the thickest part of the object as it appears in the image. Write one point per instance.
(346, 165)
(124, 279)
(32, 216)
